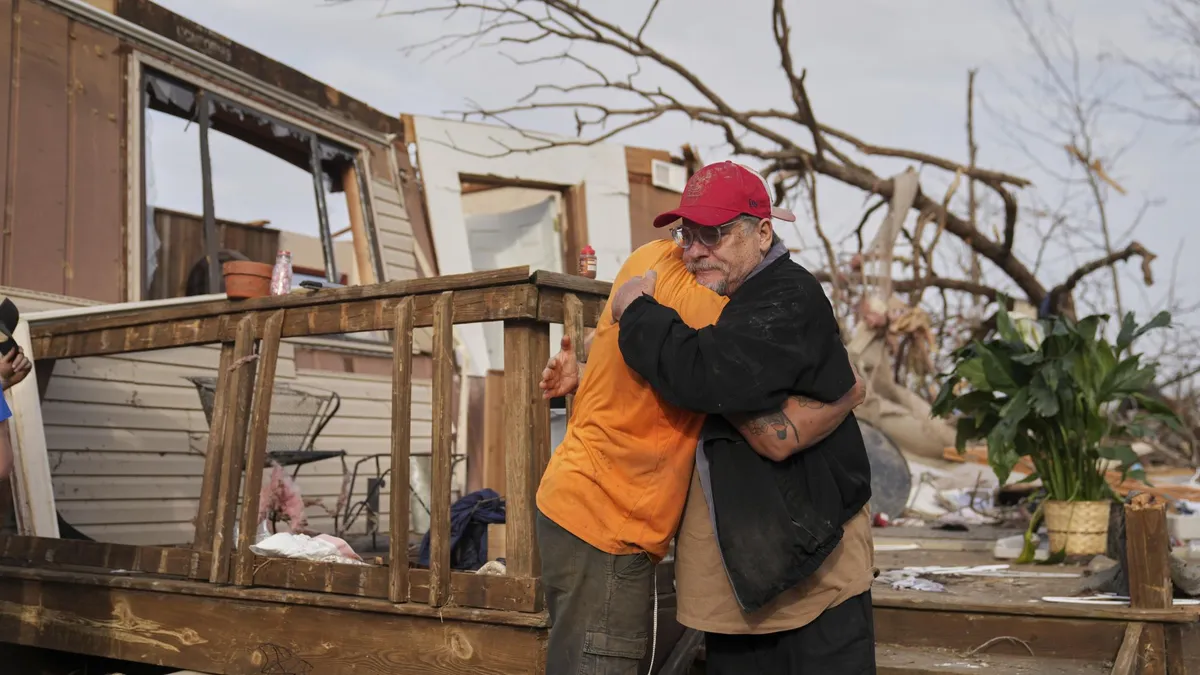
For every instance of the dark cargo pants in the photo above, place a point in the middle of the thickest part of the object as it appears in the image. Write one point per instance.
(599, 605)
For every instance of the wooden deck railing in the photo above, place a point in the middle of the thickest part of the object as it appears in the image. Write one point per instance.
(250, 332)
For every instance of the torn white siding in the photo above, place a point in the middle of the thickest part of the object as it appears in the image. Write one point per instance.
(127, 436)
(448, 149)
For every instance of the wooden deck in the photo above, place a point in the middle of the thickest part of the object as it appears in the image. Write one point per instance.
(217, 607)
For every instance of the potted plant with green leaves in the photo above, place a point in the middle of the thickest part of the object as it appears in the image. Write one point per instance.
(1057, 391)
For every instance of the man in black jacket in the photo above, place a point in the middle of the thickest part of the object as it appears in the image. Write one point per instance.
(778, 524)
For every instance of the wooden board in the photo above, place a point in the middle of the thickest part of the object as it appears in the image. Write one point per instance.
(240, 374)
(95, 214)
(181, 562)
(527, 430)
(471, 306)
(401, 450)
(245, 637)
(38, 156)
(32, 487)
(443, 424)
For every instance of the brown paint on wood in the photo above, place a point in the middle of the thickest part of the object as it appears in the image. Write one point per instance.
(1148, 547)
(1177, 662)
(206, 512)
(181, 238)
(241, 637)
(294, 597)
(40, 551)
(526, 349)
(414, 199)
(358, 228)
(10, 38)
(571, 282)
(95, 216)
(493, 432)
(464, 589)
(123, 318)
(38, 223)
(402, 339)
(573, 328)
(1126, 661)
(237, 417)
(963, 631)
(475, 433)
(210, 43)
(264, 387)
(551, 309)
(575, 236)
(904, 600)
(637, 160)
(646, 202)
(443, 426)
(472, 306)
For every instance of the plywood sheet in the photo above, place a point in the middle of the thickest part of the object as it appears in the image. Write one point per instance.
(39, 201)
(95, 247)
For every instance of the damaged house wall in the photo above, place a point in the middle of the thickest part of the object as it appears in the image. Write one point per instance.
(126, 433)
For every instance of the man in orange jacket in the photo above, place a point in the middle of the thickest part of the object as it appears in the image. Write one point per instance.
(613, 494)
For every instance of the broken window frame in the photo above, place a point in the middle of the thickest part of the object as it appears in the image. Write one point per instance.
(336, 153)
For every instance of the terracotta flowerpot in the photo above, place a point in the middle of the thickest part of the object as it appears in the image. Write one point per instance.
(246, 279)
(1079, 528)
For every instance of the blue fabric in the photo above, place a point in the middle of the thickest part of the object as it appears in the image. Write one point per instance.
(5, 413)
(469, 518)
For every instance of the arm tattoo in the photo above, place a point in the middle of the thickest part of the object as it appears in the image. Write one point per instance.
(774, 421)
(810, 403)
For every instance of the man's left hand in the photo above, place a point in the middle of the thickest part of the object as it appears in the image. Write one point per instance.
(14, 366)
(631, 290)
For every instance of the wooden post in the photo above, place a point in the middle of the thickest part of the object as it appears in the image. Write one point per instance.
(1147, 549)
(241, 386)
(573, 326)
(358, 228)
(214, 456)
(527, 438)
(402, 342)
(493, 432)
(30, 478)
(268, 357)
(443, 424)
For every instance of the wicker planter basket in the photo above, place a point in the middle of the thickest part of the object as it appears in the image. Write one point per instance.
(1080, 528)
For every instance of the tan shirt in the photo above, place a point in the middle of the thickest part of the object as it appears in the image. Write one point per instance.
(705, 597)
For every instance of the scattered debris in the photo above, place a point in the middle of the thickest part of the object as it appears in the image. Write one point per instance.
(322, 548)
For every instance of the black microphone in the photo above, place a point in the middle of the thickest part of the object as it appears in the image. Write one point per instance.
(9, 316)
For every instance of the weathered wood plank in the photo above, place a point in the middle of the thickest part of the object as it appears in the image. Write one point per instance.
(214, 456)
(472, 306)
(1126, 661)
(572, 282)
(244, 636)
(551, 307)
(1148, 549)
(573, 328)
(264, 387)
(241, 386)
(443, 425)
(294, 597)
(402, 341)
(526, 349)
(115, 317)
(180, 562)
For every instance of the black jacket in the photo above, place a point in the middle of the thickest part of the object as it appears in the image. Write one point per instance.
(776, 522)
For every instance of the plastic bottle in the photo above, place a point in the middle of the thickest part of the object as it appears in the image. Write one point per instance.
(587, 262)
(281, 276)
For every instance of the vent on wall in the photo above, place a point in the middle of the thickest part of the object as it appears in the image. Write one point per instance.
(668, 176)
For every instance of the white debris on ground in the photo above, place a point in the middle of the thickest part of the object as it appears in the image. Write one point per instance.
(321, 548)
(913, 578)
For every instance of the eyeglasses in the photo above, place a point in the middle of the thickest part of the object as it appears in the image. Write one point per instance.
(710, 237)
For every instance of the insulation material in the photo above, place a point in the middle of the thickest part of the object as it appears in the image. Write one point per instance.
(449, 150)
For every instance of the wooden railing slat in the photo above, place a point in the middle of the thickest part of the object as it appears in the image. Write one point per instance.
(573, 326)
(402, 343)
(241, 385)
(214, 456)
(443, 421)
(268, 357)
(526, 420)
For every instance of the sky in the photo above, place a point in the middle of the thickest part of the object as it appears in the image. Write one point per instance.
(890, 73)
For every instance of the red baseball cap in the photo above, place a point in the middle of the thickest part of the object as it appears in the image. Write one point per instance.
(718, 193)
